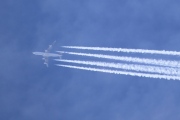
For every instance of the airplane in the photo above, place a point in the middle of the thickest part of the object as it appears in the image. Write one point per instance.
(46, 54)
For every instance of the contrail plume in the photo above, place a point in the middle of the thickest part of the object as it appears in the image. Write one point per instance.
(133, 67)
(163, 52)
(130, 59)
(123, 72)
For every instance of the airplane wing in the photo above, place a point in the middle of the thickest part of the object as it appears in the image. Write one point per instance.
(46, 64)
(46, 61)
(46, 52)
(50, 46)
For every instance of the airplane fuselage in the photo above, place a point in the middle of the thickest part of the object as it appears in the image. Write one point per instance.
(45, 54)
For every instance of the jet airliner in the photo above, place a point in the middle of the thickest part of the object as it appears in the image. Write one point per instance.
(47, 54)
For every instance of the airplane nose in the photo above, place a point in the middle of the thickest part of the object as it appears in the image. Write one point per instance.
(34, 53)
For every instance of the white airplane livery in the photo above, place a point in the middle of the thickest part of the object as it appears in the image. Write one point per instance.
(47, 54)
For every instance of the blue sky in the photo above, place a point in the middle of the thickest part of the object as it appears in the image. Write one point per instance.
(29, 90)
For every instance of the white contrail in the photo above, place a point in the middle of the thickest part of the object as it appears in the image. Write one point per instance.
(130, 59)
(123, 72)
(126, 50)
(133, 67)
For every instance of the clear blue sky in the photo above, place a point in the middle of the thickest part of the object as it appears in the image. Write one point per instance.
(30, 91)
